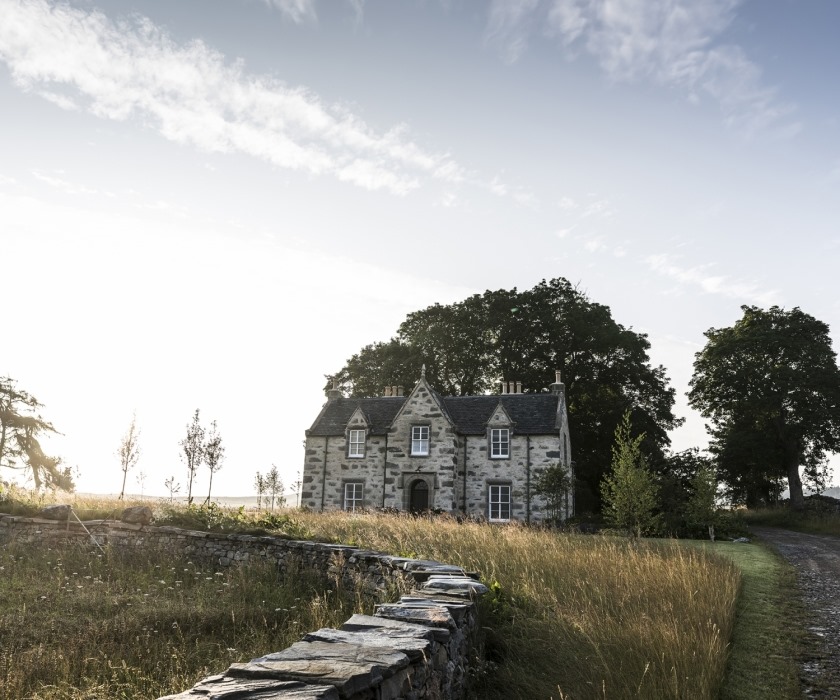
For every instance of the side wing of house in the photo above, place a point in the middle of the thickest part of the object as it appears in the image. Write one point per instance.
(344, 463)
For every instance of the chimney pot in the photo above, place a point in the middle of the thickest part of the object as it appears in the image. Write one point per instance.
(518, 387)
(387, 391)
(557, 378)
(400, 391)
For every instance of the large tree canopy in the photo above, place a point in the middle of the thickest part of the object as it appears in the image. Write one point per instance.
(469, 346)
(20, 426)
(771, 386)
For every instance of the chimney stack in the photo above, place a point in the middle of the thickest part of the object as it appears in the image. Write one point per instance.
(557, 387)
(335, 392)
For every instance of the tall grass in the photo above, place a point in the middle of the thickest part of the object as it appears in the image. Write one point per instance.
(568, 616)
(77, 624)
(575, 616)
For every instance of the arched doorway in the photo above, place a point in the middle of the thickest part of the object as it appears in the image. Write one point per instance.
(419, 496)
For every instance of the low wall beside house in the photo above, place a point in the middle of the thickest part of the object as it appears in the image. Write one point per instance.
(415, 647)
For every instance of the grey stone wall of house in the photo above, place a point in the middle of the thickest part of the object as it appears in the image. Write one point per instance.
(437, 469)
(418, 647)
(457, 474)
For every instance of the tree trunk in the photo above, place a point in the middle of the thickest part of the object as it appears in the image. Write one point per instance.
(797, 499)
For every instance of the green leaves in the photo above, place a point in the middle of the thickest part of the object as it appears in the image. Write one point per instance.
(771, 387)
(470, 346)
(630, 493)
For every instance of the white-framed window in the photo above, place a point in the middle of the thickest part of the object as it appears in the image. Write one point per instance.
(419, 440)
(498, 502)
(499, 443)
(356, 443)
(354, 496)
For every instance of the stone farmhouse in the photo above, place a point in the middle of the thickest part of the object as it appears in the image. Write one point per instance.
(478, 456)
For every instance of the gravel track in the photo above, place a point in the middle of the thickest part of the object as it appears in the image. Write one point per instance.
(816, 559)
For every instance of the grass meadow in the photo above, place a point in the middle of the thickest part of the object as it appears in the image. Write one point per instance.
(568, 616)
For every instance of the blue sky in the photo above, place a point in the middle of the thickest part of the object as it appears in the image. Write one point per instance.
(214, 204)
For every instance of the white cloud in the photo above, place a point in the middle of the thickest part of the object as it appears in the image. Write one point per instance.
(567, 203)
(701, 276)
(131, 69)
(669, 42)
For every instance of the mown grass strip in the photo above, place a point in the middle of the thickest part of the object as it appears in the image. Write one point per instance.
(768, 634)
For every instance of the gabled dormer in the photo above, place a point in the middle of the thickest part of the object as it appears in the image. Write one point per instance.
(499, 431)
(420, 420)
(356, 433)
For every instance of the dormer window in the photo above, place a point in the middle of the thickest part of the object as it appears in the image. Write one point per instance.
(419, 440)
(356, 443)
(499, 443)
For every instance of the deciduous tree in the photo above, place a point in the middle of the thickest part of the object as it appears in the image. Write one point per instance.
(630, 493)
(554, 485)
(192, 450)
(469, 346)
(129, 452)
(274, 487)
(771, 386)
(214, 454)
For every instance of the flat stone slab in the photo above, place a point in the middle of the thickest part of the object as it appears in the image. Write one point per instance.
(368, 622)
(415, 647)
(454, 585)
(428, 614)
(349, 667)
(226, 688)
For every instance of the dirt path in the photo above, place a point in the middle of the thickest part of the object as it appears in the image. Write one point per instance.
(817, 562)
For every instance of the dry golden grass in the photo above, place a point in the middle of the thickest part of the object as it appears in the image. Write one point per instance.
(575, 616)
(568, 616)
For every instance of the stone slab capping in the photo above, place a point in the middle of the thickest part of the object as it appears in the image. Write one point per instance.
(417, 647)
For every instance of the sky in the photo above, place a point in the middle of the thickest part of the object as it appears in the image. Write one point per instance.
(211, 205)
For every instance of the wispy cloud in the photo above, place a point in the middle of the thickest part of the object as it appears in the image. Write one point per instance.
(703, 277)
(298, 11)
(302, 11)
(674, 43)
(71, 188)
(189, 93)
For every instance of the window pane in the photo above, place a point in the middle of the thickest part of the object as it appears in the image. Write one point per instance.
(356, 445)
(353, 496)
(499, 502)
(420, 440)
(499, 442)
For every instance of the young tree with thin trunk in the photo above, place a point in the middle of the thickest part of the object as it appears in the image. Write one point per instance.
(129, 451)
(192, 447)
(173, 487)
(259, 485)
(630, 493)
(274, 487)
(214, 454)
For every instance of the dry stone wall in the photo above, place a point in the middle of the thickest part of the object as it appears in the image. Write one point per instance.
(417, 647)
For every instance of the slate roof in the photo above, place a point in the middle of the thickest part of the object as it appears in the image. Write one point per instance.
(532, 414)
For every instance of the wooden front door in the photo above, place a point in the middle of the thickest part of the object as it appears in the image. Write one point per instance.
(419, 496)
